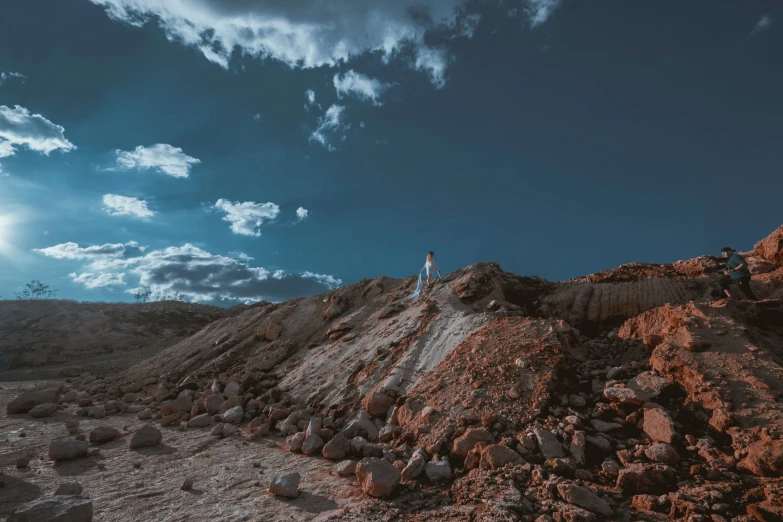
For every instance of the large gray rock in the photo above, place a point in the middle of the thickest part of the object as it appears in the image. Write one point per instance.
(377, 477)
(650, 386)
(59, 508)
(103, 434)
(285, 485)
(362, 426)
(585, 498)
(200, 421)
(46, 409)
(295, 442)
(69, 488)
(414, 468)
(233, 415)
(145, 436)
(336, 448)
(66, 449)
(29, 399)
(213, 402)
(312, 444)
(437, 471)
(548, 444)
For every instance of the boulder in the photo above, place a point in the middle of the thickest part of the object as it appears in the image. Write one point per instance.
(295, 442)
(584, 498)
(336, 448)
(362, 426)
(230, 403)
(378, 404)
(233, 415)
(408, 411)
(721, 420)
(273, 331)
(212, 403)
(58, 508)
(624, 395)
(285, 485)
(347, 467)
(646, 478)
(662, 452)
(69, 488)
(377, 477)
(145, 436)
(469, 439)
(413, 469)
(764, 459)
(29, 399)
(46, 409)
(232, 389)
(437, 471)
(659, 426)
(104, 434)
(66, 449)
(496, 456)
(200, 421)
(650, 385)
(311, 444)
(548, 444)
(771, 247)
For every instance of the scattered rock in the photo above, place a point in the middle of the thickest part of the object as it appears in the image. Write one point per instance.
(496, 456)
(66, 449)
(347, 467)
(295, 442)
(378, 404)
(69, 488)
(437, 471)
(46, 409)
(187, 484)
(103, 434)
(548, 444)
(413, 469)
(470, 438)
(311, 444)
(286, 485)
(377, 477)
(659, 425)
(764, 459)
(233, 415)
(145, 436)
(662, 452)
(336, 448)
(585, 498)
(27, 400)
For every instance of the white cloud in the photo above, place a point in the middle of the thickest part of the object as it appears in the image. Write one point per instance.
(329, 126)
(160, 157)
(101, 280)
(762, 25)
(194, 273)
(20, 128)
(257, 116)
(360, 85)
(302, 213)
(328, 280)
(247, 217)
(72, 251)
(539, 11)
(310, 97)
(5, 76)
(304, 34)
(116, 205)
(434, 62)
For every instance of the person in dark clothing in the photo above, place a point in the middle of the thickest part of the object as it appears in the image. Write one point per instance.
(736, 272)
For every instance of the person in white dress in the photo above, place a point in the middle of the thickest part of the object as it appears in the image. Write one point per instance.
(431, 267)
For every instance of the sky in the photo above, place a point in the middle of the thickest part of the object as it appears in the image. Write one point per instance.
(229, 151)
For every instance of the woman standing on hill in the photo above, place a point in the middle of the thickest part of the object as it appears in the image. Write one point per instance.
(431, 267)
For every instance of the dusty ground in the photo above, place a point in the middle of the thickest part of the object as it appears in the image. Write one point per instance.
(231, 476)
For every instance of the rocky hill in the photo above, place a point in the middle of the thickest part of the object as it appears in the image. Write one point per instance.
(61, 338)
(633, 394)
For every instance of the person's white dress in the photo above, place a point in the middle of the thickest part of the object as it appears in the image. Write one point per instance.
(431, 267)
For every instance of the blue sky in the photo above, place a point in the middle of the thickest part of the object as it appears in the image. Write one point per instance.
(234, 150)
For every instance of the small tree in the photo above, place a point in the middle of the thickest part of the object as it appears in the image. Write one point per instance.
(143, 294)
(35, 290)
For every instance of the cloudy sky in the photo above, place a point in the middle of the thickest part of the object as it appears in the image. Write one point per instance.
(236, 150)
